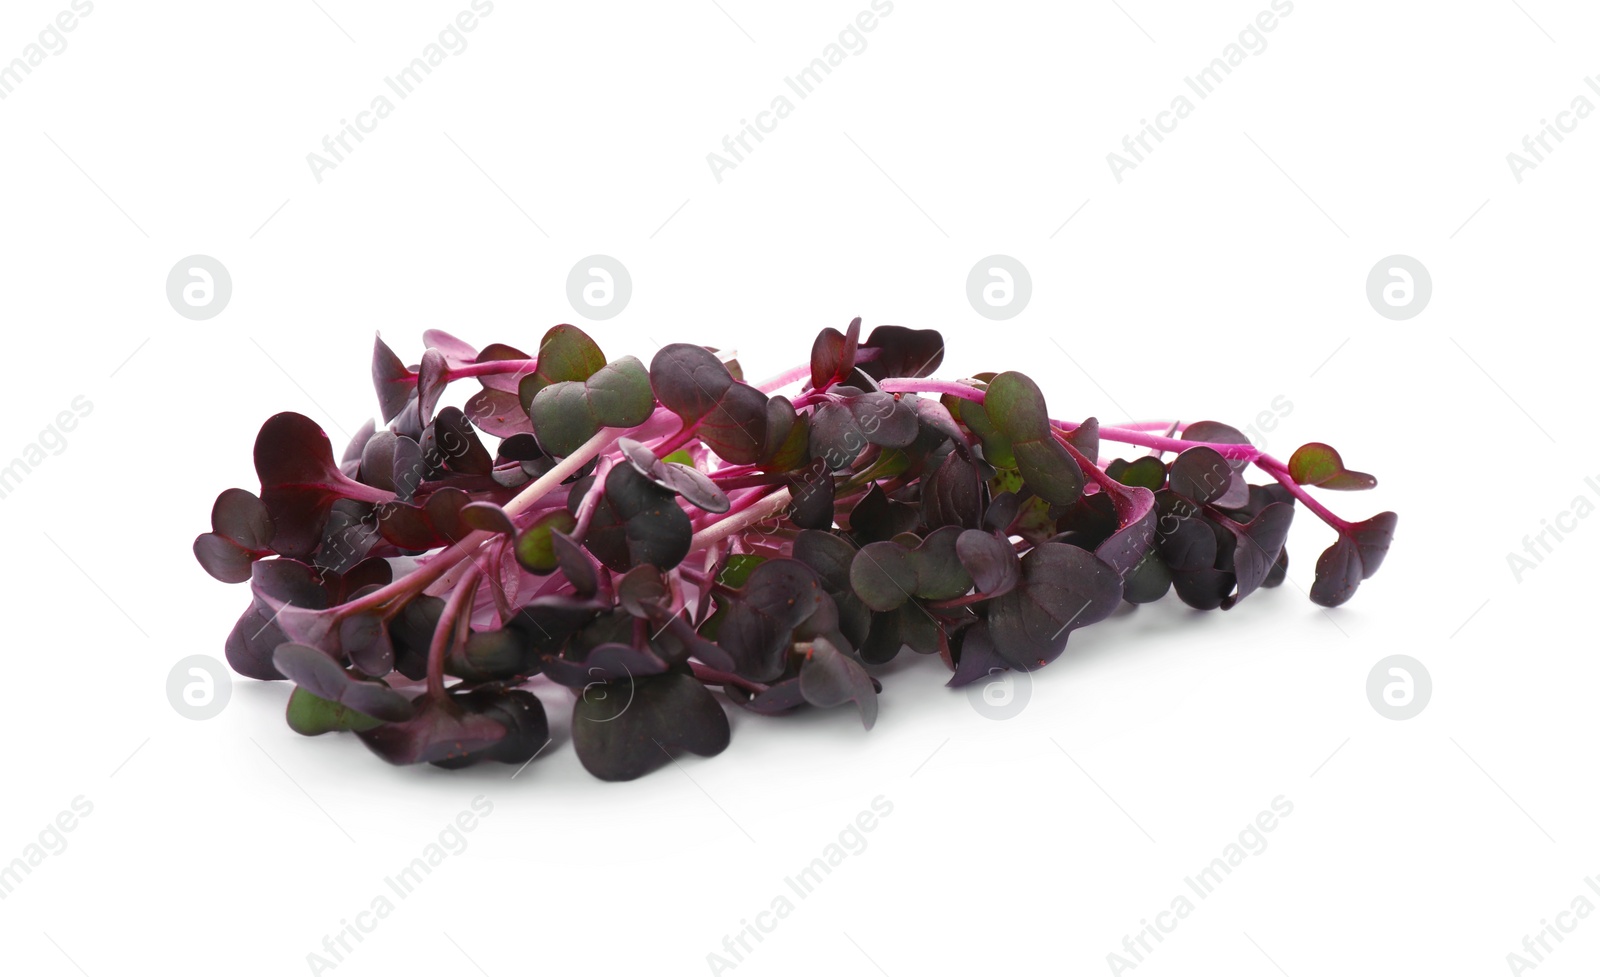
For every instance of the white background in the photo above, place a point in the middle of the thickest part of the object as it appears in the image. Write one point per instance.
(1221, 273)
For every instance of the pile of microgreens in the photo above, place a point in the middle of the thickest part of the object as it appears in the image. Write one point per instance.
(642, 535)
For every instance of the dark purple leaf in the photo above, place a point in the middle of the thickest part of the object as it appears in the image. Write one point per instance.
(623, 737)
(829, 678)
(1063, 588)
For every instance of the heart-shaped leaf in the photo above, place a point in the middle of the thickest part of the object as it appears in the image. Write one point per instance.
(1200, 475)
(883, 419)
(569, 413)
(566, 353)
(996, 446)
(436, 522)
(624, 736)
(1017, 408)
(763, 615)
(991, 561)
(1216, 432)
(241, 533)
(637, 521)
(908, 626)
(900, 352)
(1355, 556)
(729, 416)
(835, 439)
(1063, 588)
(887, 574)
(1260, 543)
(300, 482)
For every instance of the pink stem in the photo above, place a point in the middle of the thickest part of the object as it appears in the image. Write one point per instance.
(1280, 471)
(785, 378)
(1240, 452)
(915, 385)
(1138, 434)
(436, 566)
(591, 501)
(450, 630)
(491, 368)
(673, 442)
(741, 518)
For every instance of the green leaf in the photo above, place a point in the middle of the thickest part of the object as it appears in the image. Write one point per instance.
(887, 574)
(1146, 471)
(535, 548)
(565, 353)
(568, 413)
(312, 715)
(996, 446)
(1320, 465)
(1017, 408)
(736, 572)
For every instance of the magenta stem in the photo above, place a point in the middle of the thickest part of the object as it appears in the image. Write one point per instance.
(921, 385)
(436, 566)
(1280, 471)
(746, 512)
(450, 630)
(785, 378)
(490, 368)
(1139, 434)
